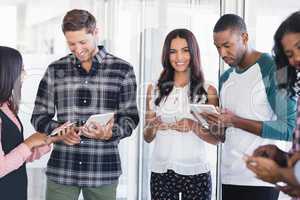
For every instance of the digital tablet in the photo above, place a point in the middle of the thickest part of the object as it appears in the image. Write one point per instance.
(102, 119)
(199, 108)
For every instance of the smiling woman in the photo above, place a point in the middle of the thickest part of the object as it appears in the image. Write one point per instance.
(291, 44)
(180, 55)
(174, 158)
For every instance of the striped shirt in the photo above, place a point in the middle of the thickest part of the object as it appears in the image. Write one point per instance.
(70, 93)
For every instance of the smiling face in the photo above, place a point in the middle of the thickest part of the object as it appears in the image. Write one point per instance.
(291, 46)
(82, 44)
(231, 46)
(179, 54)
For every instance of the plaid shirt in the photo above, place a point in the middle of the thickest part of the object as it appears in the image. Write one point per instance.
(73, 94)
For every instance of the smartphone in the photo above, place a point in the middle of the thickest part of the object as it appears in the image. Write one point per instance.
(241, 154)
(59, 131)
(280, 184)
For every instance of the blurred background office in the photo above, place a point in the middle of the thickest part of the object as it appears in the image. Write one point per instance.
(133, 30)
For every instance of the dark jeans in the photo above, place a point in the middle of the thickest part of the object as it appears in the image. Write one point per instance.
(238, 192)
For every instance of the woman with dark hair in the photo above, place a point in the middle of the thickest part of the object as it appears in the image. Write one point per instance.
(179, 165)
(286, 68)
(14, 151)
(287, 57)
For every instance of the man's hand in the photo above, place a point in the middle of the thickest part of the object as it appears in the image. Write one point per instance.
(224, 119)
(272, 152)
(68, 134)
(96, 131)
(219, 122)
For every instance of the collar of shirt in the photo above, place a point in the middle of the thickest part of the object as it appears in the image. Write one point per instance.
(97, 59)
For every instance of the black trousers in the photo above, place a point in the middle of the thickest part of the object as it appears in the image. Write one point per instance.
(237, 192)
(170, 185)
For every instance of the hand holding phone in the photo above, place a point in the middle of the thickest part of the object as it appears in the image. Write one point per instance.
(66, 133)
(63, 129)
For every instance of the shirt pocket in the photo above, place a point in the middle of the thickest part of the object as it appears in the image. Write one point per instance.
(108, 96)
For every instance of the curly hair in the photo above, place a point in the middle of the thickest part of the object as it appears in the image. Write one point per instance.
(230, 21)
(286, 74)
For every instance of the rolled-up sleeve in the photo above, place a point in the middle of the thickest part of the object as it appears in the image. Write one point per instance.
(44, 106)
(127, 117)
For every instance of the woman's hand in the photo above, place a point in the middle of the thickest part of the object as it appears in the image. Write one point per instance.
(293, 159)
(36, 140)
(184, 125)
(152, 125)
(265, 169)
(290, 190)
(272, 152)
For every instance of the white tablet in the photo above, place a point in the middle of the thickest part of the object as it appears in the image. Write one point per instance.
(199, 108)
(102, 119)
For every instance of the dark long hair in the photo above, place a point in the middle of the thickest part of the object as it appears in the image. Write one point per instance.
(286, 74)
(10, 77)
(166, 80)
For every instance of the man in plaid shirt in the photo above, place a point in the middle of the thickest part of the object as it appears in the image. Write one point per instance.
(88, 81)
